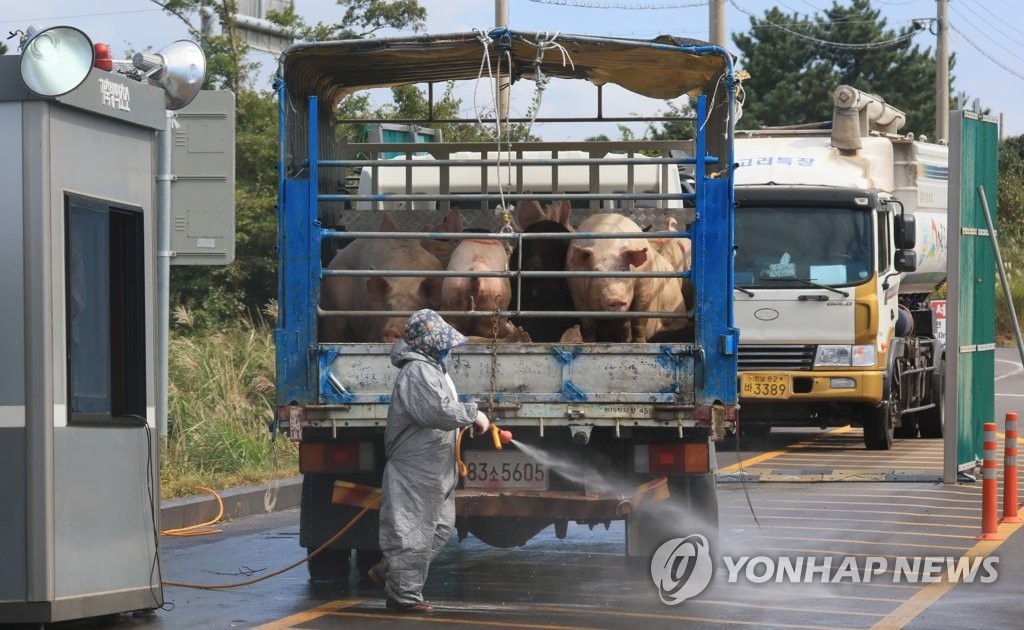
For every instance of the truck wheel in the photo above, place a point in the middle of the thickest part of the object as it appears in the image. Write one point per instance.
(366, 558)
(692, 508)
(932, 421)
(907, 428)
(329, 565)
(880, 424)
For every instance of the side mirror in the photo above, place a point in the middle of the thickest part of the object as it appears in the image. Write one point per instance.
(906, 231)
(905, 260)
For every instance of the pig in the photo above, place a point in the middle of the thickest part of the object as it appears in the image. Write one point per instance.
(620, 294)
(543, 294)
(478, 293)
(385, 293)
(676, 253)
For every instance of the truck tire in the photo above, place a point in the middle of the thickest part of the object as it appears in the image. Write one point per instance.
(692, 508)
(330, 565)
(366, 558)
(879, 426)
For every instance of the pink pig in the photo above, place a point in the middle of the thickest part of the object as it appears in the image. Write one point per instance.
(373, 293)
(464, 293)
(613, 294)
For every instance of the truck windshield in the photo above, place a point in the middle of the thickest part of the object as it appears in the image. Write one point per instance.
(825, 246)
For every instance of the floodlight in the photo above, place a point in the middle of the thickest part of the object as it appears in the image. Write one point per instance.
(179, 68)
(55, 60)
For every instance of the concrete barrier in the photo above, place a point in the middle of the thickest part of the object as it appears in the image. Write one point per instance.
(283, 494)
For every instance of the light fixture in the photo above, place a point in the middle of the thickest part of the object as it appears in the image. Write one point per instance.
(102, 59)
(179, 68)
(55, 60)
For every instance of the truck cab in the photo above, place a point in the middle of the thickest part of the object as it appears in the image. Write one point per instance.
(839, 241)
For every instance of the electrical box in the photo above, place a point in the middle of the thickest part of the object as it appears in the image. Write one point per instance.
(203, 181)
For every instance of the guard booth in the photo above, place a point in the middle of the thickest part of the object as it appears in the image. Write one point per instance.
(79, 453)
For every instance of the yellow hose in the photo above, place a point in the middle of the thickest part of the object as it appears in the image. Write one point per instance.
(495, 437)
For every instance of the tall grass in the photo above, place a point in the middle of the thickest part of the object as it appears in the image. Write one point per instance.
(220, 403)
(1013, 262)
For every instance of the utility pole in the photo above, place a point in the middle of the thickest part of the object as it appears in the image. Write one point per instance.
(504, 81)
(942, 73)
(716, 22)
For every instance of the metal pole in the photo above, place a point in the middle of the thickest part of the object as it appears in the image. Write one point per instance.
(163, 264)
(716, 22)
(942, 73)
(501, 21)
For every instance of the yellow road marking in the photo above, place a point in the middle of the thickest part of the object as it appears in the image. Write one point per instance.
(928, 595)
(846, 522)
(866, 543)
(435, 618)
(309, 615)
(770, 454)
(761, 516)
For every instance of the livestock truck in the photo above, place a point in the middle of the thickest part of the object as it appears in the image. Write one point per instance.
(840, 240)
(618, 422)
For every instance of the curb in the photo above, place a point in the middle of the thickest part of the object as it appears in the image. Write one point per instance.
(277, 496)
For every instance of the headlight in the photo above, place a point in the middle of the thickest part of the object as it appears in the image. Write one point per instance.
(844, 356)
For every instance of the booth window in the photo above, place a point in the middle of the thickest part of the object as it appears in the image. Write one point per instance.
(106, 343)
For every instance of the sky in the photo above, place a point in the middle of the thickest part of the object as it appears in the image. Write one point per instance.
(989, 46)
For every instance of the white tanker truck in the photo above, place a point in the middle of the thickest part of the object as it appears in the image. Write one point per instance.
(840, 239)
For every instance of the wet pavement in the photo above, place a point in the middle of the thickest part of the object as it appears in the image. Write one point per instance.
(585, 581)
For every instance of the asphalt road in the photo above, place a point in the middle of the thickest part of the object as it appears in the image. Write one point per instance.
(789, 505)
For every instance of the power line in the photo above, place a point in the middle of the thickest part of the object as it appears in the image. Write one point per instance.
(992, 26)
(586, 4)
(985, 53)
(826, 43)
(32, 20)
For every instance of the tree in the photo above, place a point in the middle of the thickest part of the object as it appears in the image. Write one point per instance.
(796, 61)
(1011, 191)
(219, 295)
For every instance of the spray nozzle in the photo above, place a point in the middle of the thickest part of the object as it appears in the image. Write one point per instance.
(500, 436)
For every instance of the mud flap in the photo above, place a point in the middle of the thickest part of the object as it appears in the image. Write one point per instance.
(692, 508)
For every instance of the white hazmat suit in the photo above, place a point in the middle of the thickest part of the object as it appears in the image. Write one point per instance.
(417, 512)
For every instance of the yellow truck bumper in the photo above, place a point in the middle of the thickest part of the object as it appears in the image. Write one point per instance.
(818, 386)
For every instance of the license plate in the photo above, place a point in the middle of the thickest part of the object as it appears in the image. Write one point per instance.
(503, 470)
(764, 386)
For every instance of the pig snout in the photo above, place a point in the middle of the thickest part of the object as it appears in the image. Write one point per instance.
(614, 305)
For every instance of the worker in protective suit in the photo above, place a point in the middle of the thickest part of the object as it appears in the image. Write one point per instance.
(417, 512)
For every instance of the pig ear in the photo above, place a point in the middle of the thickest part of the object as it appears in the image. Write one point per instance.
(579, 256)
(453, 220)
(528, 211)
(430, 292)
(377, 288)
(387, 224)
(635, 257)
(559, 212)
